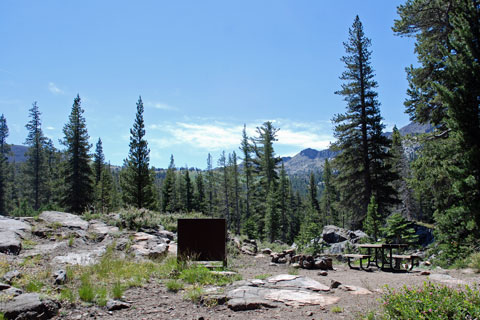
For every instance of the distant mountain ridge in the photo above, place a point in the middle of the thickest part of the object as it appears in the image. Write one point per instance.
(17, 153)
(311, 160)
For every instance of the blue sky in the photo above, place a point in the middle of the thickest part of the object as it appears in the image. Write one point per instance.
(203, 69)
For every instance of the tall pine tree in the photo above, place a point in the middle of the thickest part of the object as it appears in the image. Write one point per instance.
(168, 188)
(137, 180)
(78, 174)
(362, 165)
(35, 167)
(4, 149)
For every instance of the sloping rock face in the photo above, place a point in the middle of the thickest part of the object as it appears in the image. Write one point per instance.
(338, 238)
(11, 232)
(28, 306)
(285, 289)
(64, 219)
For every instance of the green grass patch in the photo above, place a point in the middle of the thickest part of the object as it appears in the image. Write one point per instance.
(67, 294)
(474, 261)
(174, 285)
(336, 309)
(263, 276)
(193, 293)
(431, 301)
(34, 285)
(28, 244)
(117, 290)
(198, 274)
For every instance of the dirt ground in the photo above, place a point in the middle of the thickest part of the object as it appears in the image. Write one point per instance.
(153, 301)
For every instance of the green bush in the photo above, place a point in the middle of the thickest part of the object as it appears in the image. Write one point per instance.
(399, 230)
(117, 290)
(474, 261)
(431, 301)
(174, 285)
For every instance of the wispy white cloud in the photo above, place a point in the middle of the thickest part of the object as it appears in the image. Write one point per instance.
(217, 135)
(54, 88)
(161, 106)
(50, 128)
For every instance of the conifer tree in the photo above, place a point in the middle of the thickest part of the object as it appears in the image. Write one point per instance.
(54, 178)
(210, 186)
(272, 223)
(235, 191)
(443, 91)
(329, 196)
(4, 149)
(78, 174)
(246, 149)
(105, 189)
(137, 180)
(168, 189)
(371, 224)
(98, 161)
(312, 194)
(222, 163)
(35, 166)
(283, 193)
(362, 167)
(188, 191)
(199, 195)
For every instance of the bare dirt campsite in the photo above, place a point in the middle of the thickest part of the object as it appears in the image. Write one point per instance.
(60, 266)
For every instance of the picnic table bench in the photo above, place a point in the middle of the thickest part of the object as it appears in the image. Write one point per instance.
(358, 256)
(399, 257)
(382, 256)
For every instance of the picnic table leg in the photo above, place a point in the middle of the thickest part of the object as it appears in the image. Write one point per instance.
(368, 261)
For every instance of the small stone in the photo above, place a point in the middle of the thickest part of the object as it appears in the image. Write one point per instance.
(335, 284)
(60, 276)
(272, 264)
(323, 273)
(113, 305)
(295, 265)
(425, 273)
(4, 286)
(309, 313)
(266, 251)
(9, 276)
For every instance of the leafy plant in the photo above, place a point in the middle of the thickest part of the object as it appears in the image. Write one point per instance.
(336, 309)
(399, 230)
(66, 294)
(34, 285)
(174, 285)
(193, 293)
(474, 261)
(431, 301)
(117, 290)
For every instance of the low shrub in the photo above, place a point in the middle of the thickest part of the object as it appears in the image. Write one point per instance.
(174, 285)
(193, 294)
(431, 301)
(474, 261)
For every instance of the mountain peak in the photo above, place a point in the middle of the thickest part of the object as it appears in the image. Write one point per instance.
(309, 153)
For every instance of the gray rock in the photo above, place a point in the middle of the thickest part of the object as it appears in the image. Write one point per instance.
(60, 276)
(11, 292)
(10, 242)
(82, 257)
(298, 282)
(242, 304)
(29, 306)
(337, 248)
(165, 234)
(4, 286)
(19, 227)
(100, 229)
(9, 276)
(64, 219)
(335, 284)
(113, 305)
(334, 234)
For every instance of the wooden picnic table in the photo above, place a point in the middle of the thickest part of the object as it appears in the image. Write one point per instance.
(384, 257)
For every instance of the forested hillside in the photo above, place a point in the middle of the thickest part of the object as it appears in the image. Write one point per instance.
(429, 171)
